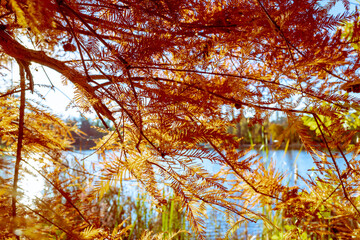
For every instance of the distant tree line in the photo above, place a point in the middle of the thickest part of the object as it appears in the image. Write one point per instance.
(90, 132)
(277, 132)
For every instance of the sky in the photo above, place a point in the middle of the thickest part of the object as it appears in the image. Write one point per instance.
(58, 99)
(50, 90)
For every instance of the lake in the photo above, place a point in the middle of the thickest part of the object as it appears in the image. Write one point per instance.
(291, 162)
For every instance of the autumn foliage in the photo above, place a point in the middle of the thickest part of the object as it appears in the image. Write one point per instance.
(172, 76)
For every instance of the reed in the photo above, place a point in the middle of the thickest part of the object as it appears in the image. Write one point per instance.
(277, 226)
(173, 220)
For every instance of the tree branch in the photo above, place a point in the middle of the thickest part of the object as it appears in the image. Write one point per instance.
(20, 139)
(14, 49)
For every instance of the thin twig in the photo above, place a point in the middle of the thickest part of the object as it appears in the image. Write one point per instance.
(289, 44)
(48, 220)
(346, 195)
(20, 139)
(229, 75)
(62, 192)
